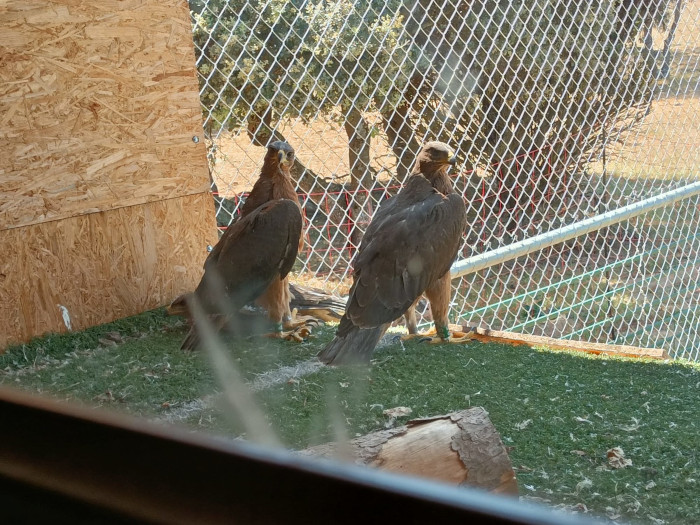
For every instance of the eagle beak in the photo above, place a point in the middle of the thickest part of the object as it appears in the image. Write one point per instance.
(282, 157)
(453, 160)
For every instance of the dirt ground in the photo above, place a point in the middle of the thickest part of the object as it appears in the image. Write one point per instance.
(321, 146)
(667, 144)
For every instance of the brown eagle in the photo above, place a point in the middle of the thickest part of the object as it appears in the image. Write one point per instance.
(406, 251)
(275, 182)
(253, 257)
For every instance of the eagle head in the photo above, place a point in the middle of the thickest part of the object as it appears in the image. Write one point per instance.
(435, 156)
(282, 153)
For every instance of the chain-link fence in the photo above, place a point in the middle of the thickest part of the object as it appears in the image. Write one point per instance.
(559, 110)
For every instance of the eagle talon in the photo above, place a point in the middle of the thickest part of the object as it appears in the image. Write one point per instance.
(302, 321)
(311, 322)
(456, 337)
(286, 336)
(298, 335)
(431, 337)
(423, 336)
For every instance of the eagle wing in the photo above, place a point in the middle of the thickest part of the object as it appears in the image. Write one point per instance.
(255, 250)
(411, 242)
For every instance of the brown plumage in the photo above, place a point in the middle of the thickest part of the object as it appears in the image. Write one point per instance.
(275, 182)
(253, 257)
(254, 252)
(406, 251)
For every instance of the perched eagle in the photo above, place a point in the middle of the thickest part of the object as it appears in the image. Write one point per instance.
(254, 253)
(275, 182)
(406, 251)
(253, 257)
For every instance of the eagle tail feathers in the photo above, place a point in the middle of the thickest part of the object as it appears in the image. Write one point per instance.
(354, 347)
(191, 341)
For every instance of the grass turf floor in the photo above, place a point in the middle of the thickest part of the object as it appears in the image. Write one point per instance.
(559, 413)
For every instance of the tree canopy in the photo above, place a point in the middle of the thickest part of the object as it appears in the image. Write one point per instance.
(528, 89)
(297, 58)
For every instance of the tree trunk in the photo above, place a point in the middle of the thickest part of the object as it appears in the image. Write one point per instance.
(400, 128)
(399, 131)
(462, 448)
(361, 177)
(261, 133)
(666, 55)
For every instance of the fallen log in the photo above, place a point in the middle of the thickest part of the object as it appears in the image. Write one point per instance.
(462, 448)
(486, 335)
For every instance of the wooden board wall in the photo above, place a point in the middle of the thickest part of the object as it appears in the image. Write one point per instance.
(104, 203)
(102, 266)
(98, 107)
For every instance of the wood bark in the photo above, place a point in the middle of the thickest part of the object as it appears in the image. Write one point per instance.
(400, 125)
(486, 335)
(666, 56)
(462, 448)
(361, 175)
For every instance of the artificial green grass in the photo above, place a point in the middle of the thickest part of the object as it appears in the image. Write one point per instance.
(558, 412)
(144, 373)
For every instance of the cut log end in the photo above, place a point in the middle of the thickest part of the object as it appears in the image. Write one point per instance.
(461, 448)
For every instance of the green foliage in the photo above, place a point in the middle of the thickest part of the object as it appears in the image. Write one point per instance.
(298, 58)
(501, 79)
(546, 76)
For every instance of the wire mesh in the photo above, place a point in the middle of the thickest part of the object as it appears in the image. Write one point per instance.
(559, 111)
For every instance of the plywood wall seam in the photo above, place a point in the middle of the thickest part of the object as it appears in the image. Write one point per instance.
(92, 212)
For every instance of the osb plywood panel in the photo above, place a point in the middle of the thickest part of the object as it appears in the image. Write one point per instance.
(102, 266)
(98, 107)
